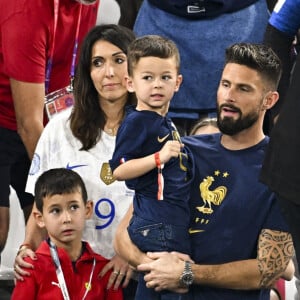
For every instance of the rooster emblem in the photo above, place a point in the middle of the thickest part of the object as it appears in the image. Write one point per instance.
(210, 197)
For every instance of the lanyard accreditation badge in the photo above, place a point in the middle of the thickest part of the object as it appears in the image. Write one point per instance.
(61, 99)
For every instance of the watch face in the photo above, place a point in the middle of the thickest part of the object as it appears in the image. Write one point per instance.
(187, 276)
(187, 279)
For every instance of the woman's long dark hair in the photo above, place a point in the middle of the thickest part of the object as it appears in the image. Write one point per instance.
(87, 119)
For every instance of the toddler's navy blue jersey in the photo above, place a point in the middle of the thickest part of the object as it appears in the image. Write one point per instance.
(143, 133)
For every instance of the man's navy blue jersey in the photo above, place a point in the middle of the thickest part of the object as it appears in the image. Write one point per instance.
(143, 133)
(229, 208)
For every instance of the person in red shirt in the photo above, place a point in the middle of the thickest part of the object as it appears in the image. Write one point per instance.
(38, 41)
(66, 267)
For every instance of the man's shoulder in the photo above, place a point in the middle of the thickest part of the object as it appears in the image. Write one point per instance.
(14, 7)
(202, 140)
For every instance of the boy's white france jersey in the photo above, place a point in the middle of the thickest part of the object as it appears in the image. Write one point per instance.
(58, 148)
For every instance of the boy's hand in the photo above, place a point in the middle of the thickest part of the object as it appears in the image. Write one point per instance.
(169, 150)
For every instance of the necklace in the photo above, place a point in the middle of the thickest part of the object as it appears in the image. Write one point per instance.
(111, 130)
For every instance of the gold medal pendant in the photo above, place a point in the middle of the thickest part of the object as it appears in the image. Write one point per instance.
(106, 174)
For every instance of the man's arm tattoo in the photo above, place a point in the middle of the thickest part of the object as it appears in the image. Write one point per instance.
(275, 249)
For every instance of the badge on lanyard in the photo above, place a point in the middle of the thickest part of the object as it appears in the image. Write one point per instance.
(59, 101)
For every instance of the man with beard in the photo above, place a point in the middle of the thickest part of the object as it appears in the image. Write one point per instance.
(240, 241)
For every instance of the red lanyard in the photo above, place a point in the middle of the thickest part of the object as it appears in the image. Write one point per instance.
(50, 59)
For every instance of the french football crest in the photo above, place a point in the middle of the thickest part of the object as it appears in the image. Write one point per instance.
(106, 174)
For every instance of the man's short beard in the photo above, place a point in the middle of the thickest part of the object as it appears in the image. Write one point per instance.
(230, 126)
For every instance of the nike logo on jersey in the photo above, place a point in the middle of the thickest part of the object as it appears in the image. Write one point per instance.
(161, 140)
(192, 231)
(74, 167)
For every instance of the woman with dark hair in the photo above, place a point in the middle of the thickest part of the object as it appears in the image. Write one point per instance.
(89, 115)
(84, 140)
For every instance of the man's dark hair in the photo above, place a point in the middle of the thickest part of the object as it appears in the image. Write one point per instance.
(58, 182)
(258, 57)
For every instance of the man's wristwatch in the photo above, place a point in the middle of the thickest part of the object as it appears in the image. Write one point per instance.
(187, 276)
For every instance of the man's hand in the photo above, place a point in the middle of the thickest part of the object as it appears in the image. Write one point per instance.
(164, 271)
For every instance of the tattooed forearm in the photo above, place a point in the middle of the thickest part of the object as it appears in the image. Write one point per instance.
(275, 249)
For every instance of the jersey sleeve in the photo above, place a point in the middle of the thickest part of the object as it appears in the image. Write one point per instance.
(24, 49)
(43, 156)
(275, 219)
(130, 139)
(286, 16)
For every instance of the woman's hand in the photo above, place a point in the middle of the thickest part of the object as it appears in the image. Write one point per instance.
(21, 265)
(121, 272)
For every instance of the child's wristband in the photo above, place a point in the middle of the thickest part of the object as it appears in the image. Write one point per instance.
(157, 159)
(160, 178)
